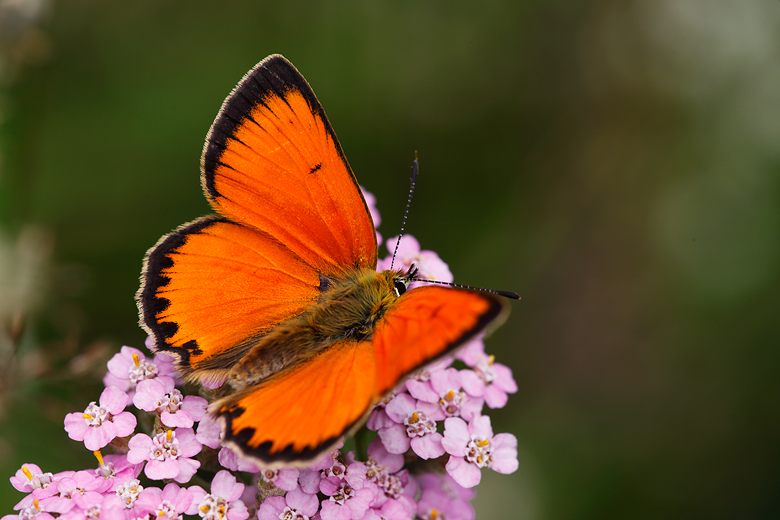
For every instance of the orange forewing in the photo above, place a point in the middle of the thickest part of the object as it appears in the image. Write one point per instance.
(303, 410)
(426, 323)
(272, 161)
(213, 285)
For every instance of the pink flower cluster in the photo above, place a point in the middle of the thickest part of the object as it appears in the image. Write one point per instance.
(430, 446)
(410, 417)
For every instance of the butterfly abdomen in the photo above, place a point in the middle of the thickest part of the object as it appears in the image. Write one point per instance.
(348, 309)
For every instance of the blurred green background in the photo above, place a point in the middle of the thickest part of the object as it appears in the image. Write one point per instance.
(614, 162)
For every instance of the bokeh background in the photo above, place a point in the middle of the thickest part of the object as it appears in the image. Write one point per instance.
(616, 162)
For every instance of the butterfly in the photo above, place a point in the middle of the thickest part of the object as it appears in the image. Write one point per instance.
(278, 295)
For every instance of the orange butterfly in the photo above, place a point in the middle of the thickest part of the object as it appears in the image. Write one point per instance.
(278, 294)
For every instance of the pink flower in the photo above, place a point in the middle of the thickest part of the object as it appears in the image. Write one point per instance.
(296, 505)
(130, 366)
(31, 512)
(128, 492)
(309, 481)
(175, 411)
(169, 503)
(285, 478)
(168, 454)
(490, 380)
(345, 501)
(413, 428)
(99, 425)
(223, 501)
(209, 432)
(331, 465)
(81, 490)
(392, 510)
(428, 263)
(116, 470)
(378, 418)
(97, 507)
(354, 473)
(473, 446)
(371, 203)
(443, 497)
(384, 469)
(443, 396)
(30, 477)
(229, 459)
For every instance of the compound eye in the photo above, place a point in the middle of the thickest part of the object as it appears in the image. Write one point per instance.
(400, 286)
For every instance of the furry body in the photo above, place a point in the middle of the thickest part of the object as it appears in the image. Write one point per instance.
(348, 309)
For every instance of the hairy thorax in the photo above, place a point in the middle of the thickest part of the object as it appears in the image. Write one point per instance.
(347, 309)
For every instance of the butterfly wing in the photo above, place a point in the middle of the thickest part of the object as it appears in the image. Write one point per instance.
(291, 210)
(212, 287)
(272, 161)
(303, 411)
(425, 324)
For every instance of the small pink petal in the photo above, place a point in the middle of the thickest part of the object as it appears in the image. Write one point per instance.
(379, 419)
(504, 379)
(480, 425)
(237, 511)
(329, 485)
(472, 383)
(209, 431)
(147, 393)
(310, 481)
(113, 399)
(140, 445)
(428, 446)
(180, 419)
(377, 451)
(359, 503)
(125, 424)
(226, 486)
(188, 444)
(198, 494)
(456, 436)
(287, 479)
(431, 410)
(495, 397)
(464, 473)
(161, 469)
(422, 390)
(395, 438)
(195, 406)
(303, 502)
(76, 426)
(400, 407)
(333, 511)
(98, 437)
(187, 468)
(271, 508)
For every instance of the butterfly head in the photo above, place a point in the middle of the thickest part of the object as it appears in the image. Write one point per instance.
(402, 279)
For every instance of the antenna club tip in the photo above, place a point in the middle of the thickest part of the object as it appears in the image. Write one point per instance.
(509, 294)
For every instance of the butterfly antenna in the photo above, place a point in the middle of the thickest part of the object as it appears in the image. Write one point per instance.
(415, 169)
(505, 294)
